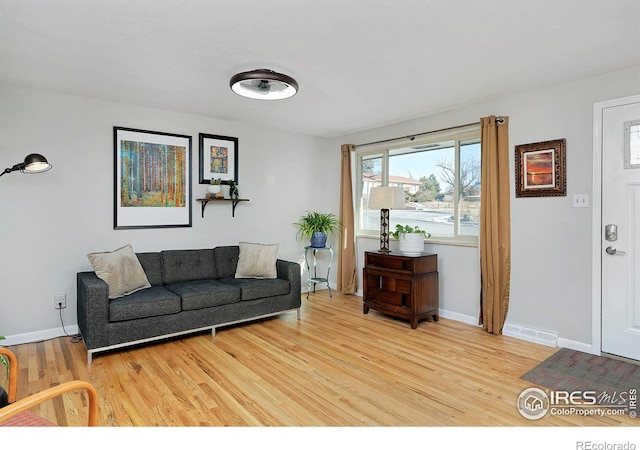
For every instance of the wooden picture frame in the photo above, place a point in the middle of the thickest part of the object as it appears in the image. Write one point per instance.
(218, 158)
(152, 179)
(541, 169)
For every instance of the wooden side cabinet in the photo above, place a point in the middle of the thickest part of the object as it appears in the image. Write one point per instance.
(401, 286)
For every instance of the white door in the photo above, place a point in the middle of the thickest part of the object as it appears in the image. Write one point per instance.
(620, 238)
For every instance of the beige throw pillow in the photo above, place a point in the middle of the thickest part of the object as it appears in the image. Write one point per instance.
(257, 260)
(121, 270)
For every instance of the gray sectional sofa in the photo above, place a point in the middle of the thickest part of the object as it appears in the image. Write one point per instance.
(190, 291)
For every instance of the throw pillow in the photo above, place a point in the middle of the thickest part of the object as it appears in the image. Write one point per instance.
(257, 260)
(121, 270)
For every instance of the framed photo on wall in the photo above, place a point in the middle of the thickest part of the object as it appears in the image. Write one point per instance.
(541, 169)
(218, 158)
(152, 179)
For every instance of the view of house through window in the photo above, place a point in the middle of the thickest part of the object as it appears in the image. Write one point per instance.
(440, 176)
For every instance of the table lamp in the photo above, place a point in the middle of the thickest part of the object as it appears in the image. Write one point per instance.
(385, 198)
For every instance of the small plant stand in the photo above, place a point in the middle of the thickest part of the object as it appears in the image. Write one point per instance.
(313, 280)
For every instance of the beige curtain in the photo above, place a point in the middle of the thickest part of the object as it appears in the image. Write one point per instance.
(495, 224)
(347, 265)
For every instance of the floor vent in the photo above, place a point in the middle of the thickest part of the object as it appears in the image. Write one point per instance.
(528, 334)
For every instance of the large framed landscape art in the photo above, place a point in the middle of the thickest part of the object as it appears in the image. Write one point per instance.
(152, 179)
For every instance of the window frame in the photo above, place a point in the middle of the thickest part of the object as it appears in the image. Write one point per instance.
(382, 149)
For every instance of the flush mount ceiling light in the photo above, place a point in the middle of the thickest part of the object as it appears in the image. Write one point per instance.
(263, 84)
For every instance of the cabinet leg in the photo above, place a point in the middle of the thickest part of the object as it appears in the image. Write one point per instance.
(436, 317)
(414, 322)
(365, 309)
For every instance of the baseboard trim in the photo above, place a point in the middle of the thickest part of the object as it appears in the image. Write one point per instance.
(37, 336)
(578, 346)
(458, 317)
(548, 338)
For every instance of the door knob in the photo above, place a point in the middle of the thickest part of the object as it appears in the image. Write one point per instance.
(612, 251)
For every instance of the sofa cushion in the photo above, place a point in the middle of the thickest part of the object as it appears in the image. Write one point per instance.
(152, 265)
(187, 265)
(226, 260)
(257, 260)
(205, 293)
(253, 288)
(121, 270)
(154, 301)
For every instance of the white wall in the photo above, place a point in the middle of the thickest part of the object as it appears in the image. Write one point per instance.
(551, 240)
(50, 221)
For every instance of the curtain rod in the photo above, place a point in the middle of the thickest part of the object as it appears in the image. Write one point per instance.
(411, 137)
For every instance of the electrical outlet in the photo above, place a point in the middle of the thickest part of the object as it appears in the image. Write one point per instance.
(60, 301)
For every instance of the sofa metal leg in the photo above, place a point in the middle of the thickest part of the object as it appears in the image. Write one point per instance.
(298, 313)
(213, 332)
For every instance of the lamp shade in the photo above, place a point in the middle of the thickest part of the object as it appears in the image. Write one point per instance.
(386, 197)
(263, 84)
(35, 163)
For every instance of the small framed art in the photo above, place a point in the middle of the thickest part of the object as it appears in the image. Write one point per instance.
(218, 158)
(541, 169)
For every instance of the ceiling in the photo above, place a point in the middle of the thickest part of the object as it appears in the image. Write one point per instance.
(359, 63)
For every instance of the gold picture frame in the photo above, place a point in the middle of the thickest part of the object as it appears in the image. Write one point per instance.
(541, 169)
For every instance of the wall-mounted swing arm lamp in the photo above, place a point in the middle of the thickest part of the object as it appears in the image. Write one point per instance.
(33, 163)
(385, 198)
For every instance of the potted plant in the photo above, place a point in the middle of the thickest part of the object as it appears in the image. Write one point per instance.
(233, 190)
(410, 239)
(316, 226)
(214, 187)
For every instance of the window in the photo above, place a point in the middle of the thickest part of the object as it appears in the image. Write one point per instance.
(632, 144)
(440, 176)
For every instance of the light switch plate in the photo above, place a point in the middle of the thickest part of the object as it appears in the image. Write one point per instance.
(580, 200)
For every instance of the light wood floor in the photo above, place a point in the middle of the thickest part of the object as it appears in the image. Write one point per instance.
(333, 367)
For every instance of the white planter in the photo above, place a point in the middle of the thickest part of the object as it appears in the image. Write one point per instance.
(214, 188)
(411, 244)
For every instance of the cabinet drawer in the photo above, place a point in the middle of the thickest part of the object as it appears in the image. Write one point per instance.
(396, 306)
(389, 298)
(376, 280)
(397, 262)
(384, 261)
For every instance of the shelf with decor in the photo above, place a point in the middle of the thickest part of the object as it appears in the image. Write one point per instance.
(234, 203)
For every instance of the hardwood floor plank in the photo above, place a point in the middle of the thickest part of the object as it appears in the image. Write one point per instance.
(334, 367)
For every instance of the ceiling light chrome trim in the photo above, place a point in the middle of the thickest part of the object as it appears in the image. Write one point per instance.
(263, 84)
